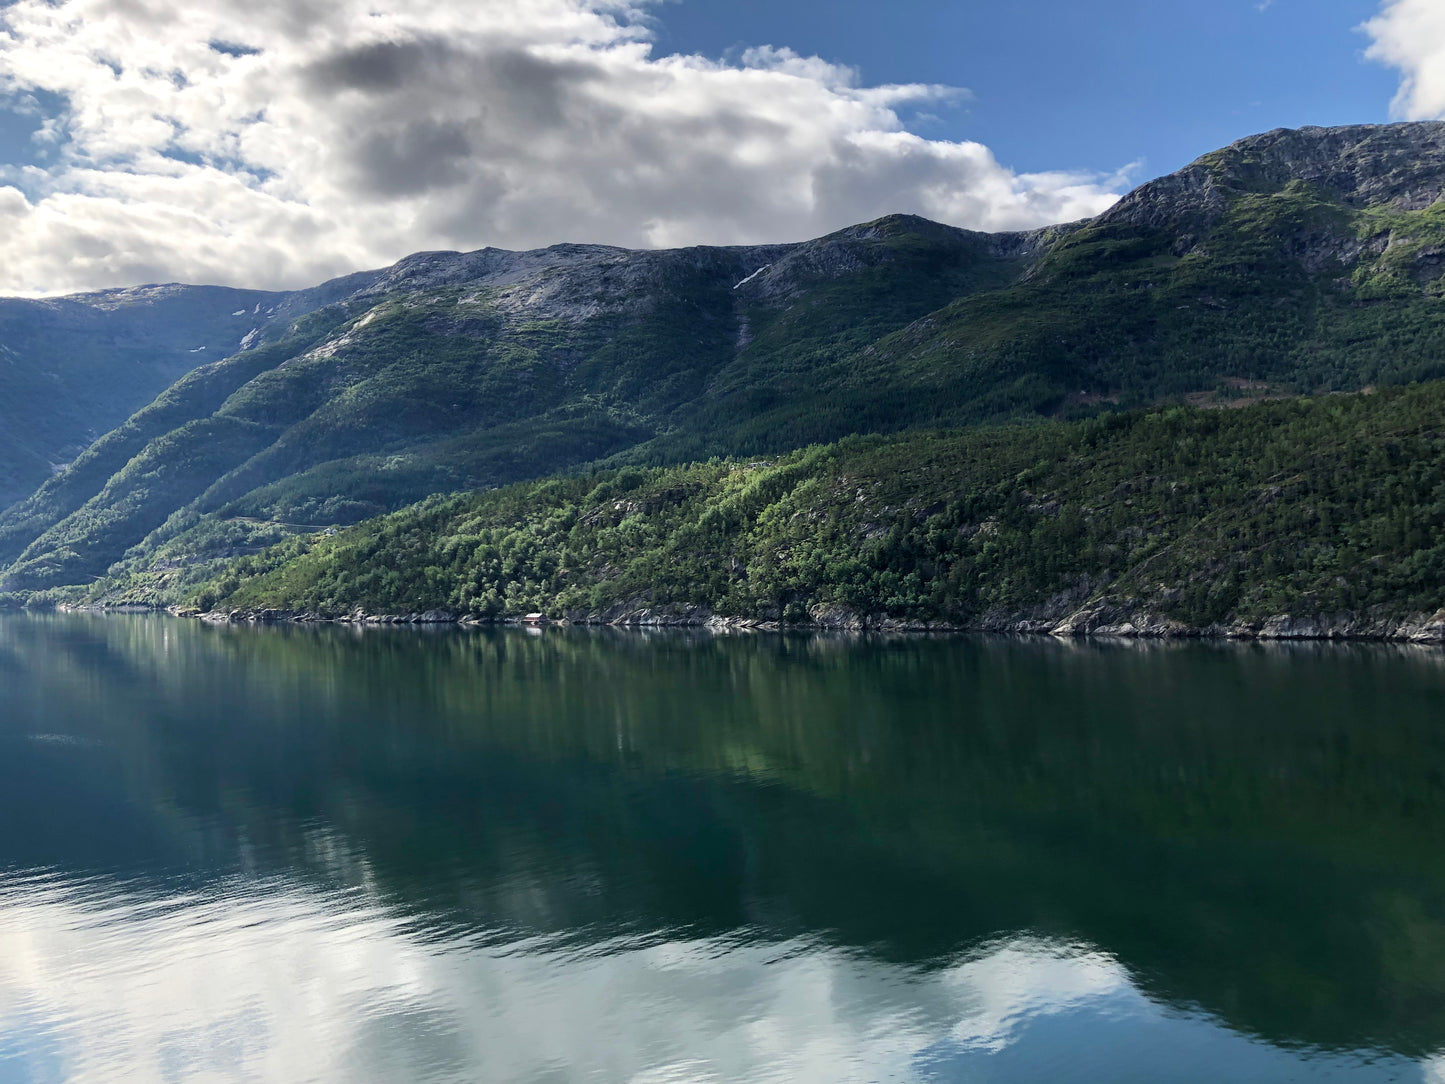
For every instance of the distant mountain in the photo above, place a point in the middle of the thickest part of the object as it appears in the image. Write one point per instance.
(73, 368)
(1290, 262)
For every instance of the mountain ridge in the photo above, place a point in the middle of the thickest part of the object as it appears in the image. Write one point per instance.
(1290, 262)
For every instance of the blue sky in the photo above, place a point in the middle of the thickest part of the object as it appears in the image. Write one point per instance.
(1090, 84)
(1054, 85)
(274, 143)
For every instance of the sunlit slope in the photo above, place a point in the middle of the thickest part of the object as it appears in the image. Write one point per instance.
(1179, 518)
(1290, 263)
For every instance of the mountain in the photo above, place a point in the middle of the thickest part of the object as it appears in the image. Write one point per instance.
(454, 371)
(73, 368)
(1305, 517)
(1292, 262)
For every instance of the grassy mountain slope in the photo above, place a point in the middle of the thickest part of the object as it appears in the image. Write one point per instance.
(73, 368)
(1197, 517)
(478, 370)
(1291, 263)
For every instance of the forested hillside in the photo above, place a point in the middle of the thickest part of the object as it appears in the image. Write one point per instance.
(1291, 263)
(1161, 521)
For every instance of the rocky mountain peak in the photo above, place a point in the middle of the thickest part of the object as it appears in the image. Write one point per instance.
(1363, 165)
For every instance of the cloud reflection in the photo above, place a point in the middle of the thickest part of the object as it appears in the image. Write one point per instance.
(278, 981)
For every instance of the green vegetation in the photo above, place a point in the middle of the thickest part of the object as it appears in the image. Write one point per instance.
(1256, 273)
(73, 368)
(1286, 289)
(69, 530)
(1326, 505)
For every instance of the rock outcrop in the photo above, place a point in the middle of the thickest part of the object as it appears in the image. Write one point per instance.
(1100, 621)
(1366, 165)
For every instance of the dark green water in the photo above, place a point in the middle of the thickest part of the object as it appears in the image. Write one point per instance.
(298, 855)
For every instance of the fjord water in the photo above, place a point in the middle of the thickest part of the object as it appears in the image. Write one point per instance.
(332, 855)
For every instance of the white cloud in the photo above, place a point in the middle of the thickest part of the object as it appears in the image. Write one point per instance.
(259, 980)
(275, 142)
(267, 981)
(262, 979)
(1410, 35)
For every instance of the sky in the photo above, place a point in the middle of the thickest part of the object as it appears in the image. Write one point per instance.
(275, 143)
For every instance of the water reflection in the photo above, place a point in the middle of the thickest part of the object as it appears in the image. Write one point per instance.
(291, 855)
(275, 981)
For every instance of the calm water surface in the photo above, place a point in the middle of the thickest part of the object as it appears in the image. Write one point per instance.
(316, 855)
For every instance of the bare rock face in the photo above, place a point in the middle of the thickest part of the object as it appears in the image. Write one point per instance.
(1131, 620)
(1431, 631)
(1419, 629)
(1397, 165)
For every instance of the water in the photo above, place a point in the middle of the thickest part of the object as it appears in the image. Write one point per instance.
(320, 855)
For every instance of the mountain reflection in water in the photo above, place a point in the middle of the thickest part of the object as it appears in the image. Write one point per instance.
(295, 854)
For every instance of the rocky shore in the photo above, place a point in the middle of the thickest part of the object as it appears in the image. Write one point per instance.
(1100, 620)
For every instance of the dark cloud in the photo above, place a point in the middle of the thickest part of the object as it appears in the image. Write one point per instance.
(414, 158)
(427, 74)
(496, 104)
(379, 67)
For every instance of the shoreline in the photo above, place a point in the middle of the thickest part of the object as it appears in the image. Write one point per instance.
(1098, 622)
